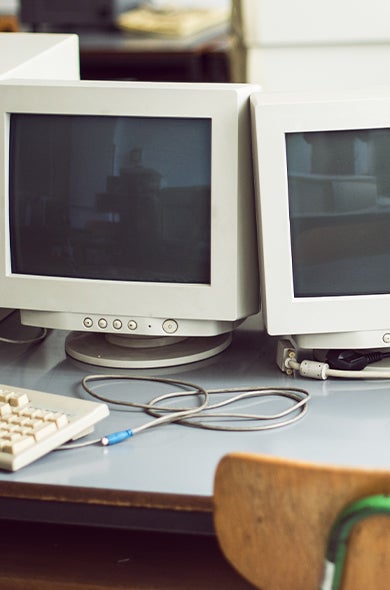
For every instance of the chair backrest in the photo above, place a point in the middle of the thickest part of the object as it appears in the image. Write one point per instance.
(273, 518)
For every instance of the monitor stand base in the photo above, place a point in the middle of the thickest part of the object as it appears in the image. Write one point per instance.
(97, 349)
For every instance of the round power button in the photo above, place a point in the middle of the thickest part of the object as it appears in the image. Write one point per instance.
(170, 326)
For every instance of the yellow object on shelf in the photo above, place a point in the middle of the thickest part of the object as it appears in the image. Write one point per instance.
(169, 22)
(9, 23)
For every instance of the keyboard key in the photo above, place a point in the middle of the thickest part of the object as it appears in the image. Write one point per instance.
(18, 444)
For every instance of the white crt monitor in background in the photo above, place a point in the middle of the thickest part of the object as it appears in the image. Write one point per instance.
(127, 215)
(44, 56)
(323, 180)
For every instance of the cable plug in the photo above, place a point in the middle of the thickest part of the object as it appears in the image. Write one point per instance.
(352, 360)
(285, 355)
(116, 437)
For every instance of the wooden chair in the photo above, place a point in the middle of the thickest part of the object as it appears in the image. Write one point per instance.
(273, 518)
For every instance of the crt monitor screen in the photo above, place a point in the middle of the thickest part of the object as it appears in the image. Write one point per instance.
(111, 198)
(339, 203)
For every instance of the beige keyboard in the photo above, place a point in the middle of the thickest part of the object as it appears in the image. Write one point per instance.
(33, 423)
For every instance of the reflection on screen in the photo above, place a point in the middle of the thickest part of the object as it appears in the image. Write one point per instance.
(116, 198)
(339, 199)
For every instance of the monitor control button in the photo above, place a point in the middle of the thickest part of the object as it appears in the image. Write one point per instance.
(88, 322)
(386, 338)
(170, 326)
(117, 324)
(102, 323)
(132, 325)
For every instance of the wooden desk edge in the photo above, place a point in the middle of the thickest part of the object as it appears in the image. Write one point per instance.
(106, 497)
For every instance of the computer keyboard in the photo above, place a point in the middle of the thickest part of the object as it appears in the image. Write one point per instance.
(33, 423)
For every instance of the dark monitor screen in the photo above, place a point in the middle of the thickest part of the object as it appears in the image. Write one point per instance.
(111, 197)
(339, 200)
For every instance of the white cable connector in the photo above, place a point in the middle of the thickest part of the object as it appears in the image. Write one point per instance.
(286, 359)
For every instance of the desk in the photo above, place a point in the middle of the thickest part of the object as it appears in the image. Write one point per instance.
(116, 55)
(162, 480)
(112, 56)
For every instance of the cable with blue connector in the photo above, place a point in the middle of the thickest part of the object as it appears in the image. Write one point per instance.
(205, 414)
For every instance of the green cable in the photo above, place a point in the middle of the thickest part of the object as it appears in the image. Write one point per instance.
(340, 532)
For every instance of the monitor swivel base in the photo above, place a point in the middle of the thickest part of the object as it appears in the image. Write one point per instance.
(129, 352)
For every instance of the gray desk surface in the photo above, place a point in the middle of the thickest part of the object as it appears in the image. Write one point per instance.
(168, 471)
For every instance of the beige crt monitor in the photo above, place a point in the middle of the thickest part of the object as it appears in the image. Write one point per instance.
(128, 216)
(323, 194)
